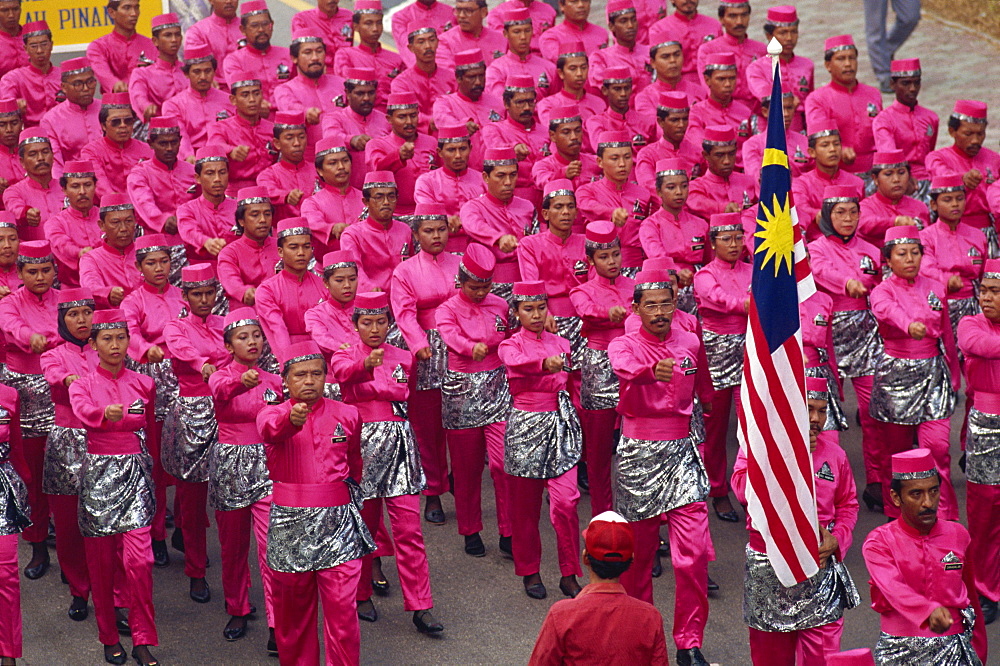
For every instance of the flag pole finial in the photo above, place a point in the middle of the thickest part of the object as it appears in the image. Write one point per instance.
(774, 48)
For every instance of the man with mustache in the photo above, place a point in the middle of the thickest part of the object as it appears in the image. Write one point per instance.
(734, 15)
(424, 78)
(314, 91)
(920, 584)
(471, 34)
(470, 105)
(520, 129)
(117, 53)
(158, 187)
(405, 152)
(848, 103)
(379, 242)
(567, 159)
(73, 123)
(330, 22)
(271, 65)
(690, 29)
(38, 197)
(219, 32)
(73, 231)
(355, 124)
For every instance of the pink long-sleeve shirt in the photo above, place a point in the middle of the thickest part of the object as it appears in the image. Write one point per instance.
(236, 406)
(691, 33)
(382, 154)
(330, 206)
(709, 112)
(344, 124)
(491, 44)
(451, 190)
(419, 286)
(330, 325)
(897, 303)
(588, 105)
(38, 89)
(721, 290)
(200, 220)
(796, 76)
(645, 161)
(155, 84)
(598, 201)
(746, 52)
(464, 324)
(835, 263)
(12, 51)
(10, 165)
(486, 219)
(593, 300)
(554, 167)
(69, 231)
(683, 238)
(113, 57)
(377, 249)
(912, 130)
(798, 154)
(646, 100)
(523, 354)
(816, 318)
(245, 263)
(593, 36)
(282, 301)
(509, 132)
(543, 17)
(104, 268)
(301, 94)
(853, 112)
(642, 129)
(22, 314)
(457, 109)
(635, 60)
(560, 264)
(427, 88)
(373, 391)
(335, 31)
(218, 34)
(979, 341)
(58, 364)
(112, 162)
(807, 192)
(158, 192)
(281, 178)
(29, 193)
(541, 70)
(387, 65)
(878, 213)
(148, 310)
(196, 113)
(709, 194)
(272, 67)
(194, 342)
(90, 395)
(960, 252)
(653, 409)
(978, 203)
(437, 15)
(236, 131)
(71, 127)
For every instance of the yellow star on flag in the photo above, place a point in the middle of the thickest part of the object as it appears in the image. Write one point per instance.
(776, 239)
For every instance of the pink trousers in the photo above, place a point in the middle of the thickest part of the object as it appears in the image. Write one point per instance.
(689, 554)
(10, 599)
(193, 499)
(105, 557)
(160, 482)
(296, 611)
(806, 647)
(236, 528)
(598, 442)
(716, 439)
(872, 444)
(933, 436)
(425, 418)
(69, 544)
(469, 448)
(526, 507)
(983, 509)
(411, 557)
(34, 454)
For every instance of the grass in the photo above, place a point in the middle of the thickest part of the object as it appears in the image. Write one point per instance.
(980, 15)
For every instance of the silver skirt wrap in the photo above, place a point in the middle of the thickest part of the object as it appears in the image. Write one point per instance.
(474, 399)
(686, 300)
(962, 307)
(543, 445)
(390, 460)
(14, 509)
(163, 377)
(650, 477)
(189, 433)
(571, 329)
(65, 452)
(910, 391)
(430, 373)
(38, 413)
(301, 539)
(982, 448)
(116, 494)
(770, 606)
(237, 476)
(836, 419)
(856, 342)
(954, 650)
(598, 382)
(697, 422)
(725, 358)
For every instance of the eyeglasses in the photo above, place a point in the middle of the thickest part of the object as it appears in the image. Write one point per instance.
(383, 196)
(118, 122)
(81, 84)
(653, 308)
(39, 46)
(729, 240)
(258, 25)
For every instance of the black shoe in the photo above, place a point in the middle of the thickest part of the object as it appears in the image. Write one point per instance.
(534, 590)
(202, 595)
(425, 622)
(474, 545)
(727, 516)
(177, 540)
(379, 582)
(961, 462)
(143, 661)
(367, 611)
(990, 609)
(50, 538)
(506, 549)
(115, 654)
(569, 586)
(161, 557)
(582, 479)
(78, 609)
(272, 643)
(664, 549)
(657, 567)
(168, 519)
(38, 566)
(691, 657)
(236, 628)
(434, 514)
(121, 622)
(872, 497)
(857, 417)
(62, 578)
(712, 585)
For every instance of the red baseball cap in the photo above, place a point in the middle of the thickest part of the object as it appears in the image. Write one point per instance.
(609, 538)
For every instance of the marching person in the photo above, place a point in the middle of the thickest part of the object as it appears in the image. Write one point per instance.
(74, 231)
(292, 179)
(336, 204)
(108, 270)
(542, 442)
(73, 123)
(379, 243)
(200, 104)
(329, 323)
(245, 263)
(116, 152)
(889, 206)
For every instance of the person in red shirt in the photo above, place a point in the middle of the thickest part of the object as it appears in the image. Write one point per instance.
(603, 625)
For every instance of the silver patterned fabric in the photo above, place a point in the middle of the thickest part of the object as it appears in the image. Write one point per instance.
(430, 373)
(189, 432)
(221, 306)
(686, 300)
(116, 494)
(394, 336)
(331, 391)
(268, 361)
(598, 381)
(65, 451)
(38, 413)
(504, 290)
(391, 461)
(178, 260)
(697, 422)
(301, 539)
(954, 650)
(992, 241)
(770, 606)
(836, 419)
(543, 445)
(14, 509)
(725, 358)
(237, 475)
(474, 399)
(910, 391)
(570, 328)
(961, 307)
(650, 477)
(167, 389)
(856, 342)
(982, 448)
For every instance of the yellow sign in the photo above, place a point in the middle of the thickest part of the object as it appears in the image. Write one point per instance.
(76, 23)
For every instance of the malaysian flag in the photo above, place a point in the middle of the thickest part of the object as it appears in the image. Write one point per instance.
(774, 422)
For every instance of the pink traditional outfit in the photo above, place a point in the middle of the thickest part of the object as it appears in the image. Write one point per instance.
(744, 52)
(647, 100)
(105, 267)
(334, 29)
(71, 230)
(382, 154)
(687, 150)
(199, 220)
(426, 86)
(542, 15)
(272, 66)
(316, 536)
(157, 82)
(587, 103)
(282, 177)
(13, 519)
(913, 392)
(691, 33)
(797, 150)
(197, 111)
(657, 471)
(542, 444)
(797, 73)
(593, 36)
(38, 89)
(238, 131)
(157, 190)
(456, 109)
(879, 212)
(30, 193)
(303, 93)
(541, 70)
(71, 126)
(510, 132)
(616, 56)
(710, 193)
(114, 56)
(808, 188)
(378, 248)
(329, 323)
(113, 161)
(475, 396)
(386, 64)
(331, 205)
(11, 168)
(490, 44)
(342, 125)
(912, 129)
(12, 50)
(683, 236)
(116, 490)
(419, 287)
(436, 15)
(245, 263)
(215, 35)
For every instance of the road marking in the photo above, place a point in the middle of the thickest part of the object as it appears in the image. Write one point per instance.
(297, 5)
(300, 6)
